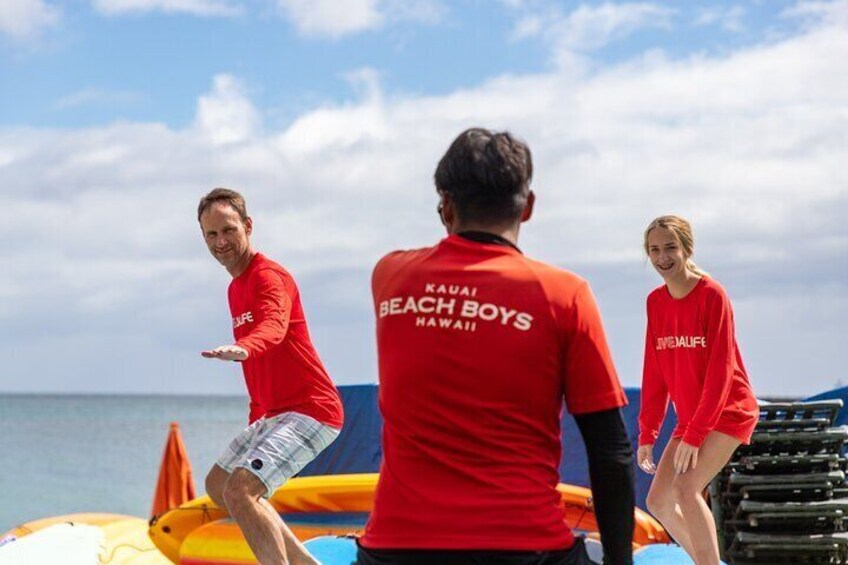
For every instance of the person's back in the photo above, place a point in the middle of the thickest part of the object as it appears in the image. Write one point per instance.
(475, 347)
(478, 347)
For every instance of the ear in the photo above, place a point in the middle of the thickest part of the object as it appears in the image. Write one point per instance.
(248, 225)
(447, 214)
(528, 208)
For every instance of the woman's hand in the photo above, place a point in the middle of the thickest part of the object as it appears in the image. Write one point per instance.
(685, 458)
(645, 458)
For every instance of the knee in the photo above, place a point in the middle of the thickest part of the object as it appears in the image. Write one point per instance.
(239, 489)
(215, 487)
(685, 489)
(232, 496)
(660, 502)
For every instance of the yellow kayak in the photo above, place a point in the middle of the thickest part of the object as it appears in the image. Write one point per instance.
(200, 533)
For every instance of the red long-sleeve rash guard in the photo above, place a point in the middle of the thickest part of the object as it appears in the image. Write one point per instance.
(691, 356)
(283, 372)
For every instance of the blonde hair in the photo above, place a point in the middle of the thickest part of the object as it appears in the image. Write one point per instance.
(682, 230)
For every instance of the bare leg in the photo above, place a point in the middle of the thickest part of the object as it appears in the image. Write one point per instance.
(242, 494)
(215, 481)
(296, 551)
(688, 487)
(266, 534)
(661, 499)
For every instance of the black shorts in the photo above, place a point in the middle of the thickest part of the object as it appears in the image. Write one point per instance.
(576, 555)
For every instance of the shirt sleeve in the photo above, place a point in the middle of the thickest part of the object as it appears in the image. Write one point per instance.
(273, 305)
(610, 458)
(654, 401)
(377, 277)
(719, 373)
(590, 381)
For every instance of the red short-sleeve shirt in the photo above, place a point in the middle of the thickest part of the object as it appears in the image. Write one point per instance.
(478, 346)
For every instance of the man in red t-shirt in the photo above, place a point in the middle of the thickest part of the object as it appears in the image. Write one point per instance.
(295, 411)
(478, 348)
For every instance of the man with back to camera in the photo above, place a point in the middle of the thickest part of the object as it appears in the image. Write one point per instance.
(478, 347)
(295, 410)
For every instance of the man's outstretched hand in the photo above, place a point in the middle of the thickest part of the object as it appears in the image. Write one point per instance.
(226, 353)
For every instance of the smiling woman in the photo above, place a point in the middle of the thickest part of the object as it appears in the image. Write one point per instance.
(691, 356)
(669, 245)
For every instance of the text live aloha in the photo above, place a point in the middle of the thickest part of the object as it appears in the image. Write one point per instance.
(453, 307)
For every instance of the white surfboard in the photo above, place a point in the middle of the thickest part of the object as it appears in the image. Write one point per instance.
(69, 544)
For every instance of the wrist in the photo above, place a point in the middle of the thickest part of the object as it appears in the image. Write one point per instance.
(241, 349)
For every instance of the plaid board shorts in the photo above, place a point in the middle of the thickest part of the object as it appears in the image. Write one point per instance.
(276, 449)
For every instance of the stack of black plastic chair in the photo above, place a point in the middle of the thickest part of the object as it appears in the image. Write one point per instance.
(784, 498)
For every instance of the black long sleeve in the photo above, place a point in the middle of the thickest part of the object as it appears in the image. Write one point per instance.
(611, 473)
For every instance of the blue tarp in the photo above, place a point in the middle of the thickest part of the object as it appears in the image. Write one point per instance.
(357, 449)
(841, 394)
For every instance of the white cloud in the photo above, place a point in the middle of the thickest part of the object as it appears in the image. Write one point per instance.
(529, 26)
(100, 236)
(23, 19)
(729, 18)
(834, 12)
(195, 7)
(334, 19)
(325, 17)
(422, 11)
(588, 28)
(226, 115)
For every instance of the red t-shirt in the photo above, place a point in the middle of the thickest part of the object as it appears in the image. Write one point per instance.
(691, 355)
(478, 346)
(283, 372)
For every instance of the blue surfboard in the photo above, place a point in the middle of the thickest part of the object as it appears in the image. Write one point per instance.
(332, 550)
(662, 554)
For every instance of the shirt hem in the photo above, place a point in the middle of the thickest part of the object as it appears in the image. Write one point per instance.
(606, 401)
(324, 419)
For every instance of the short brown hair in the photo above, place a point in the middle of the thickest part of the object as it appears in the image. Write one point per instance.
(231, 197)
(486, 174)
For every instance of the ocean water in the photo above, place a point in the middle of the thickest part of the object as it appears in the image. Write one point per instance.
(67, 453)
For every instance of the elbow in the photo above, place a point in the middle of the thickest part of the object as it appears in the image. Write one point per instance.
(612, 454)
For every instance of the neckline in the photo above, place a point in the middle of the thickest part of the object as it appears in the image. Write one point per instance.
(249, 266)
(688, 294)
(487, 237)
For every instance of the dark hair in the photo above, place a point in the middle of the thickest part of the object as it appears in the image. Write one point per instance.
(486, 175)
(231, 197)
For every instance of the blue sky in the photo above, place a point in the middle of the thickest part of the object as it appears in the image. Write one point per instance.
(90, 65)
(117, 115)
